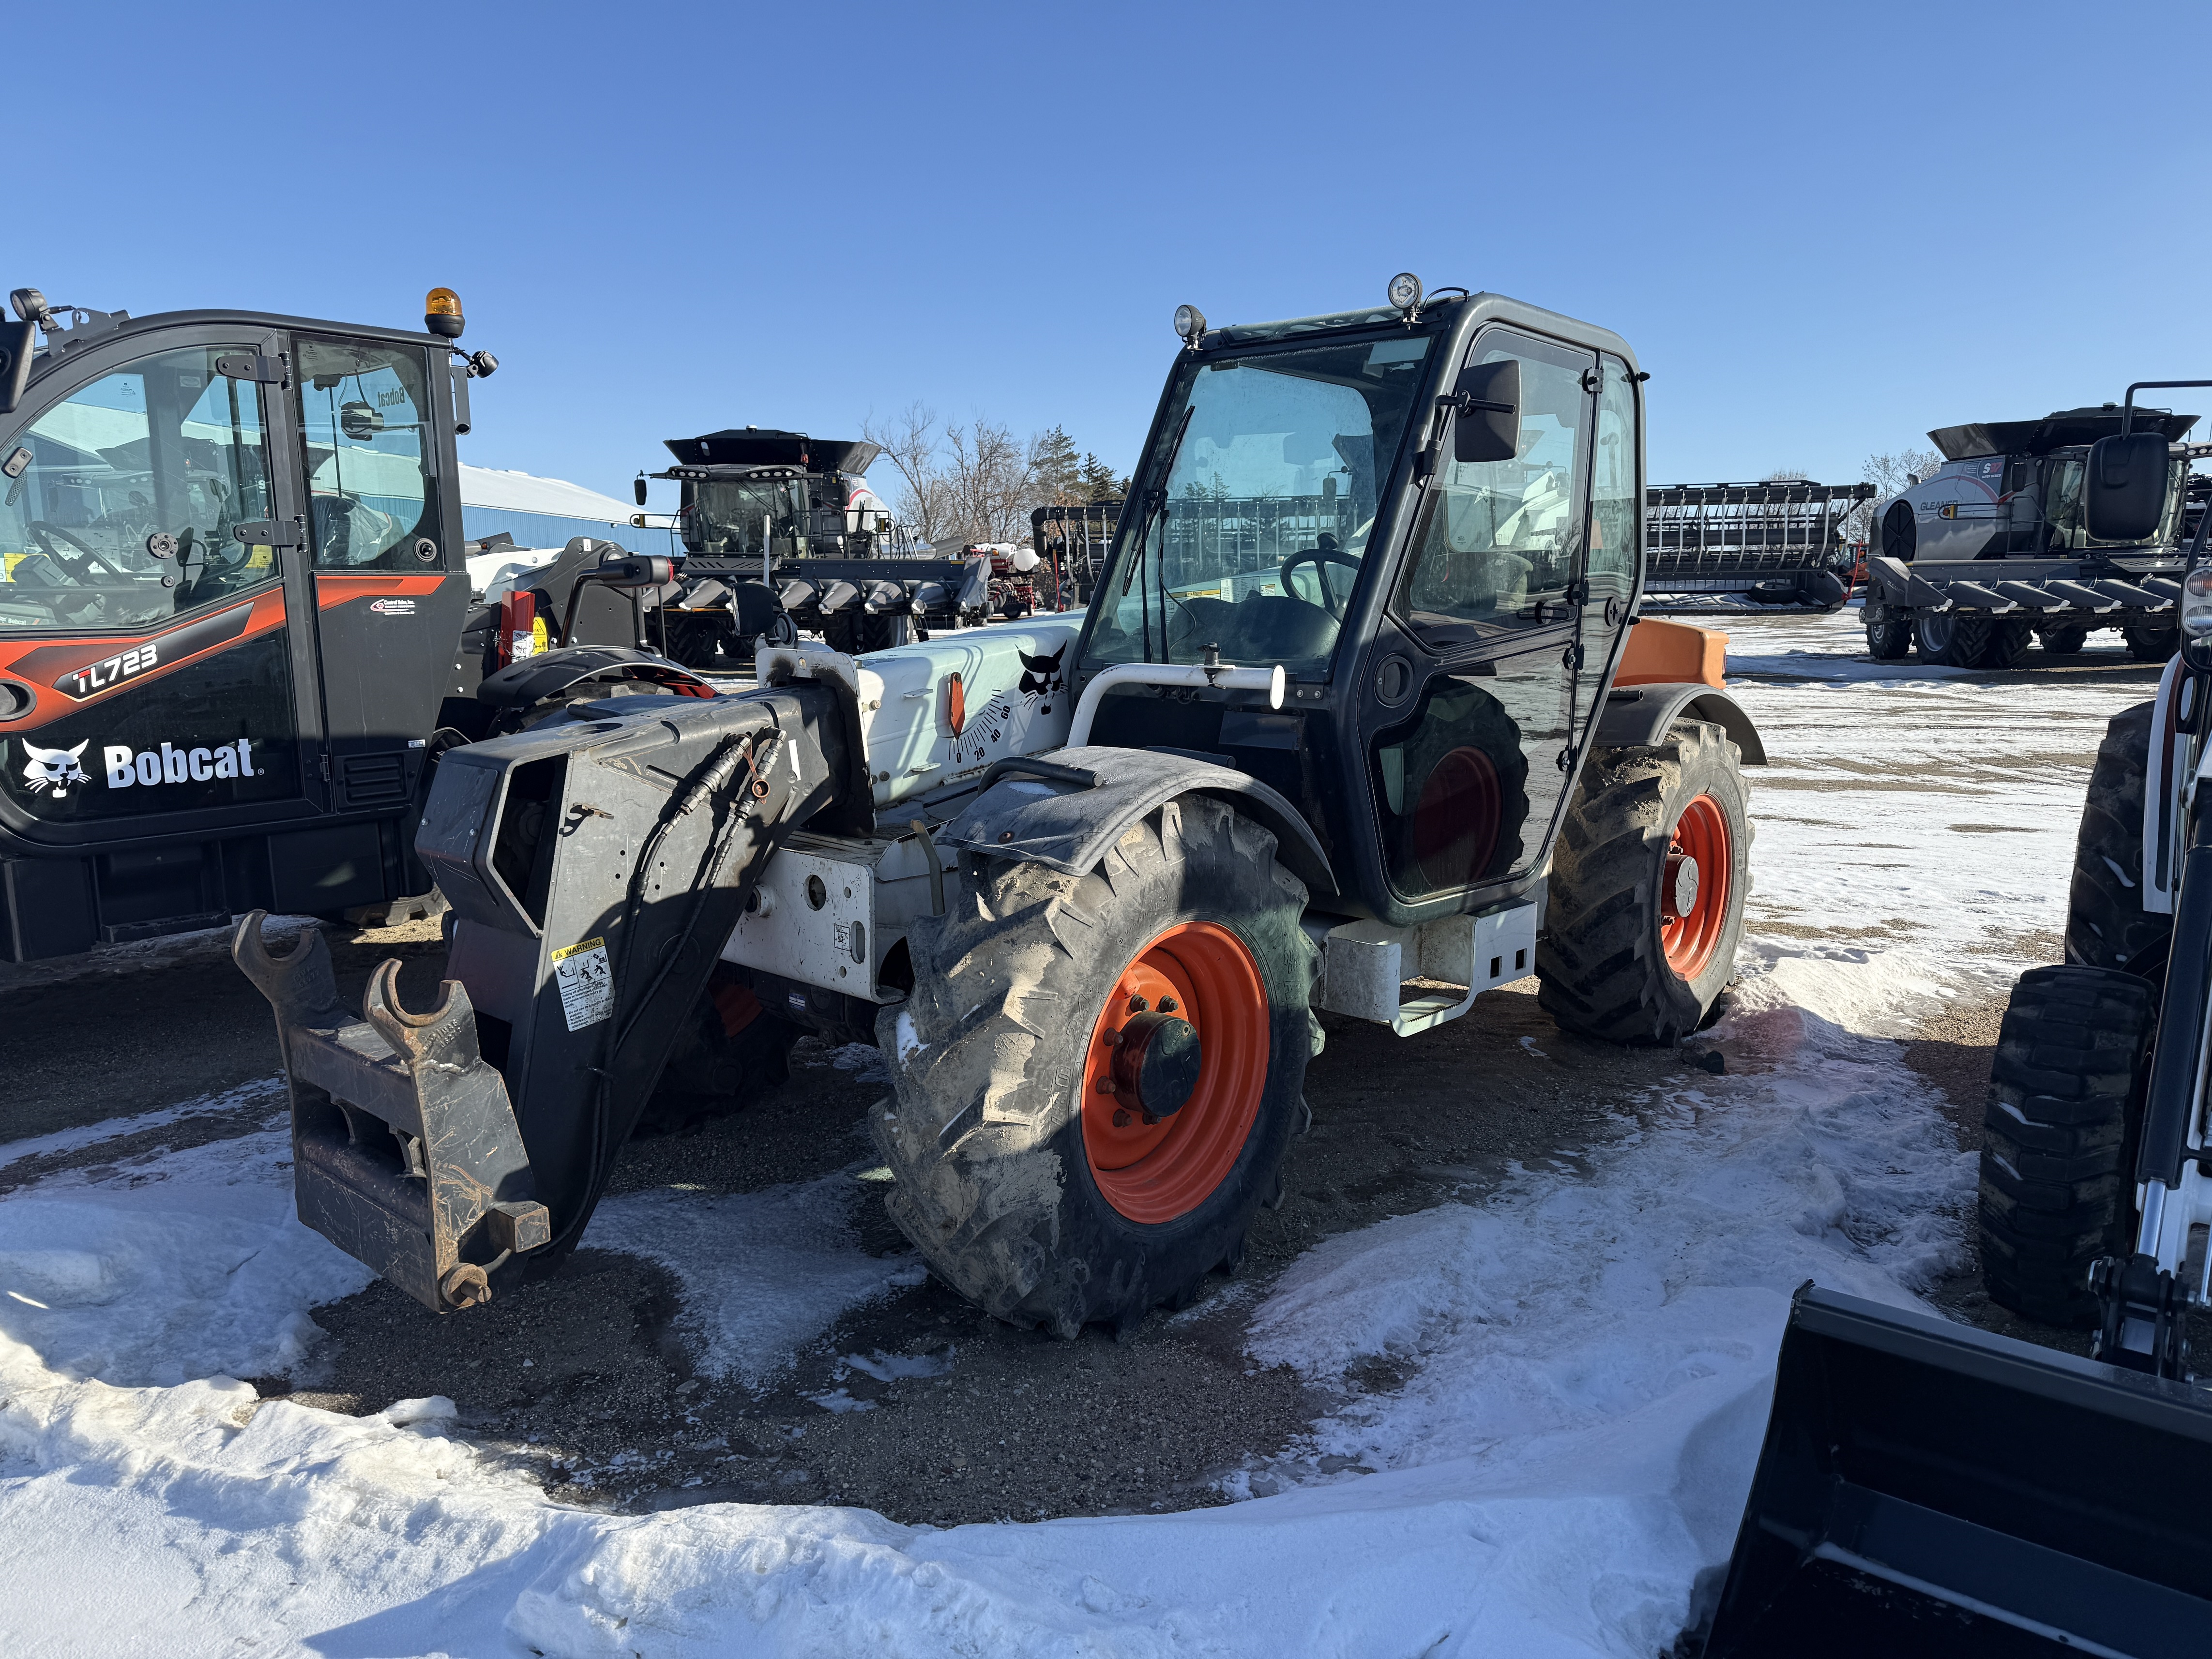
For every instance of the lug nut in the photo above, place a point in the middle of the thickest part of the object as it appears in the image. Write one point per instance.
(1167, 1005)
(1138, 1005)
(1120, 1118)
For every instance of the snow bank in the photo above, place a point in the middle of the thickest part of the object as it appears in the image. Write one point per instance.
(194, 1266)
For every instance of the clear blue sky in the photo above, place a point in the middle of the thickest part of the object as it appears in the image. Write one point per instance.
(1824, 230)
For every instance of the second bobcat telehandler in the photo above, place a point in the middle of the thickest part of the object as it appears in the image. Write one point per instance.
(1086, 880)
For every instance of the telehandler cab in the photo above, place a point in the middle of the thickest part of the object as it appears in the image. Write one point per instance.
(1372, 733)
(235, 621)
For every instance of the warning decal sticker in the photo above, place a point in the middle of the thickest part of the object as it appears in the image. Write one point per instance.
(587, 983)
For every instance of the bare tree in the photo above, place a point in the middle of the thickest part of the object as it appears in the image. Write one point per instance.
(1888, 474)
(910, 442)
(976, 482)
(989, 476)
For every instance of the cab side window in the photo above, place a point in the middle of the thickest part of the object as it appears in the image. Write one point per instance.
(1496, 547)
(118, 504)
(364, 417)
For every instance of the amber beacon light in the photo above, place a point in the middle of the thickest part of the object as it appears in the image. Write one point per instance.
(441, 313)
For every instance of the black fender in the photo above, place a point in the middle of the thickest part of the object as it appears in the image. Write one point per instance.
(1066, 809)
(550, 673)
(1637, 716)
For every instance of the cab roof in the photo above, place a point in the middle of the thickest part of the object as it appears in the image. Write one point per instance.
(2062, 428)
(766, 445)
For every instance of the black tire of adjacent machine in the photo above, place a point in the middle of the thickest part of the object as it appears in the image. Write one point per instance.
(1646, 898)
(1096, 1077)
(1954, 638)
(2152, 644)
(2059, 1140)
(2065, 639)
(1889, 637)
(1972, 639)
(2106, 926)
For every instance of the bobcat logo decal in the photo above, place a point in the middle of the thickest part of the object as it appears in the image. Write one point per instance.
(1041, 677)
(51, 771)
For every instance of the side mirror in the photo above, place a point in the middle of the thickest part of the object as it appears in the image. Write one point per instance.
(2125, 495)
(640, 490)
(1488, 404)
(18, 341)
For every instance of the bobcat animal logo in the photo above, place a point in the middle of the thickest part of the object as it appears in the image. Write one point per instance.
(52, 770)
(1040, 676)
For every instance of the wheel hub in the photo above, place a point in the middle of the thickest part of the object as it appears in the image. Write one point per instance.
(1681, 885)
(1157, 1059)
(1693, 887)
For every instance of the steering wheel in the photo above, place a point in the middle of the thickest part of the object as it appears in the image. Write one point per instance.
(47, 534)
(1327, 554)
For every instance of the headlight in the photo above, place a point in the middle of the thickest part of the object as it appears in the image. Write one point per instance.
(1405, 290)
(2197, 601)
(1190, 323)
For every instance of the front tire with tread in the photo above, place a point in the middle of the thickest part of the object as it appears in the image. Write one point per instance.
(984, 1131)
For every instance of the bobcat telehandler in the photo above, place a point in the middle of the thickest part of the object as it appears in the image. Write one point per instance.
(1927, 1488)
(236, 628)
(1086, 879)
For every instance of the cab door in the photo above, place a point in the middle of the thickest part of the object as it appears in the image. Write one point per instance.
(386, 578)
(1470, 731)
(149, 677)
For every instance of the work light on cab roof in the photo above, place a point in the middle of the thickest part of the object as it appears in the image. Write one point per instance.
(1190, 324)
(1405, 292)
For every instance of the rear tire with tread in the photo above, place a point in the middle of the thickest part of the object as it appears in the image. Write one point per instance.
(2057, 1169)
(1601, 961)
(984, 1131)
(2065, 641)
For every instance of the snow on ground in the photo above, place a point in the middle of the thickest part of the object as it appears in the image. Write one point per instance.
(762, 1273)
(1588, 1351)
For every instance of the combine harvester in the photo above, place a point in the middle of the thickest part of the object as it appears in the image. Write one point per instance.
(1925, 1488)
(781, 533)
(1993, 551)
(1778, 545)
(1085, 879)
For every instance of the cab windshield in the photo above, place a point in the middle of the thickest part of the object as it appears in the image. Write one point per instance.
(727, 515)
(1256, 540)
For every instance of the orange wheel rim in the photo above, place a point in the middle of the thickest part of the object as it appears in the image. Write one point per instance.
(1693, 906)
(1155, 1170)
